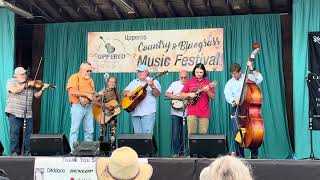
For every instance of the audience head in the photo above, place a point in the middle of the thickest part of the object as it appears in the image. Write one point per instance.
(227, 168)
(123, 164)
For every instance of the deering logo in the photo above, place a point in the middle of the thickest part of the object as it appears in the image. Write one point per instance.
(316, 39)
(115, 49)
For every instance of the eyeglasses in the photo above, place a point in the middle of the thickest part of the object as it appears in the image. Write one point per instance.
(183, 77)
(89, 71)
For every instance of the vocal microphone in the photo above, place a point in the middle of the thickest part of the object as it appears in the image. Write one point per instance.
(106, 76)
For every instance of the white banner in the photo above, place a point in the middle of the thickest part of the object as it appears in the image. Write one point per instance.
(65, 168)
(160, 50)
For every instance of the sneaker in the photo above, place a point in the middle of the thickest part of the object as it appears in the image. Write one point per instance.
(175, 156)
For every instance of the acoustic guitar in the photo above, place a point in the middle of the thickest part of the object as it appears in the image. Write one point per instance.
(98, 114)
(130, 103)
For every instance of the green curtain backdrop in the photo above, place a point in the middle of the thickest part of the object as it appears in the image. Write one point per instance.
(306, 18)
(6, 70)
(66, 48)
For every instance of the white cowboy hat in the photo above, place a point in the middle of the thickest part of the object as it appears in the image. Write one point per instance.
(123, 165)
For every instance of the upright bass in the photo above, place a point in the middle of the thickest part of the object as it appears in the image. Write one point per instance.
(248, 112)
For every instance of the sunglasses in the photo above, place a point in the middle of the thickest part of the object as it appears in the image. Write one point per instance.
(183, 77)
(89, 71)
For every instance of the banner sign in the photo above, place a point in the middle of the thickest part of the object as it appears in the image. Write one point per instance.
(313, 80)
(160, 50)
(68, 168)
(65, 168)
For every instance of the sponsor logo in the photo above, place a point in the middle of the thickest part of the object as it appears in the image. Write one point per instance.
(316, 39)
(55, 170)
(81, 171)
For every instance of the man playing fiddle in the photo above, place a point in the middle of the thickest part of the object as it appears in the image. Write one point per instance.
(19, 99)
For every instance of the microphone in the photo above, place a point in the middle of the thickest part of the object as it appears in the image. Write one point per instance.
(106, 76)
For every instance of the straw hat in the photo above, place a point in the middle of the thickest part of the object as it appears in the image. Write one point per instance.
(123, 165)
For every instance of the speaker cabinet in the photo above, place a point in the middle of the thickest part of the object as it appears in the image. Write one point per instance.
(143, 144)
(49, 145)
(209, 146)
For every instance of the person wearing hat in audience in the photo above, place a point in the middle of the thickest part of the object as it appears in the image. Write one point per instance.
(227, 168)
(144, 115)
(123, 164)
(19, 98)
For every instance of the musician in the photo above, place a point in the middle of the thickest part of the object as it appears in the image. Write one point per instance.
(144, 115)
(81, 90)
(110, 92)
(18, 90)
(173, 92)
(232, 92)
(198, 113)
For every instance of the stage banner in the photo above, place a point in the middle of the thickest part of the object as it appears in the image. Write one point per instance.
(313, 80)
(71, 168)
(160, 50)
(65, 168)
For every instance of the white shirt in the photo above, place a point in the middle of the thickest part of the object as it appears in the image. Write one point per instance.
(233, 87)
(148, 104)
(175, 88)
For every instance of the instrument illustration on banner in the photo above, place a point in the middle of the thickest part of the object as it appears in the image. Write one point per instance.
(192, 101)
(130, 103)
(110, 112)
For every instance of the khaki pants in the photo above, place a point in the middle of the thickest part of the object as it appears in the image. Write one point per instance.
(194, 121)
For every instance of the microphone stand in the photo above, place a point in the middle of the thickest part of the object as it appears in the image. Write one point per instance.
(184, 142)
(25, 112)
(102, 119)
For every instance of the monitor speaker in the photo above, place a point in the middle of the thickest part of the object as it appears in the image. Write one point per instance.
(1, 149)
(209, 146)
(49, 145)
(143, 144)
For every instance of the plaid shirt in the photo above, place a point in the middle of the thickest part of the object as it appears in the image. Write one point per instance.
(16, 103)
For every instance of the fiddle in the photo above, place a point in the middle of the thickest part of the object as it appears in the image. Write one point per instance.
(38, 84)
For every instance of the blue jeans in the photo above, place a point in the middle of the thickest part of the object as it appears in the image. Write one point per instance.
(143, 124)
(239, 149)
(80, 114)
(177, 134)
(15, 126)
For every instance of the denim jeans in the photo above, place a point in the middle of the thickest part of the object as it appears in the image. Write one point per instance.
(239, 149)
(177, 134)
(80, 114)
(15, 126)
(143, 124)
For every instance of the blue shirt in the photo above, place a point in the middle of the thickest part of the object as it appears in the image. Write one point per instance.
(149, 103)
(233, 87)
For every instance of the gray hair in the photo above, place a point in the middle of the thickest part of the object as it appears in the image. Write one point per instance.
(227, 168)
(83, 64)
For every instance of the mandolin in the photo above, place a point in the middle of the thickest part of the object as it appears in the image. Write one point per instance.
(194, 100)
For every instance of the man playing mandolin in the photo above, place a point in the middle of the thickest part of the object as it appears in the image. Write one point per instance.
(199, 107)
(177, 108)
(144, 115)
(232, 92)
(81, 92)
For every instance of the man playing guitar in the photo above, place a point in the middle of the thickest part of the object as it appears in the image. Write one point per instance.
(177, 108)
(144, 115)
(81, 92)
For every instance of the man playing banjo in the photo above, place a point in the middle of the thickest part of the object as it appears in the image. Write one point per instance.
(177, 113)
